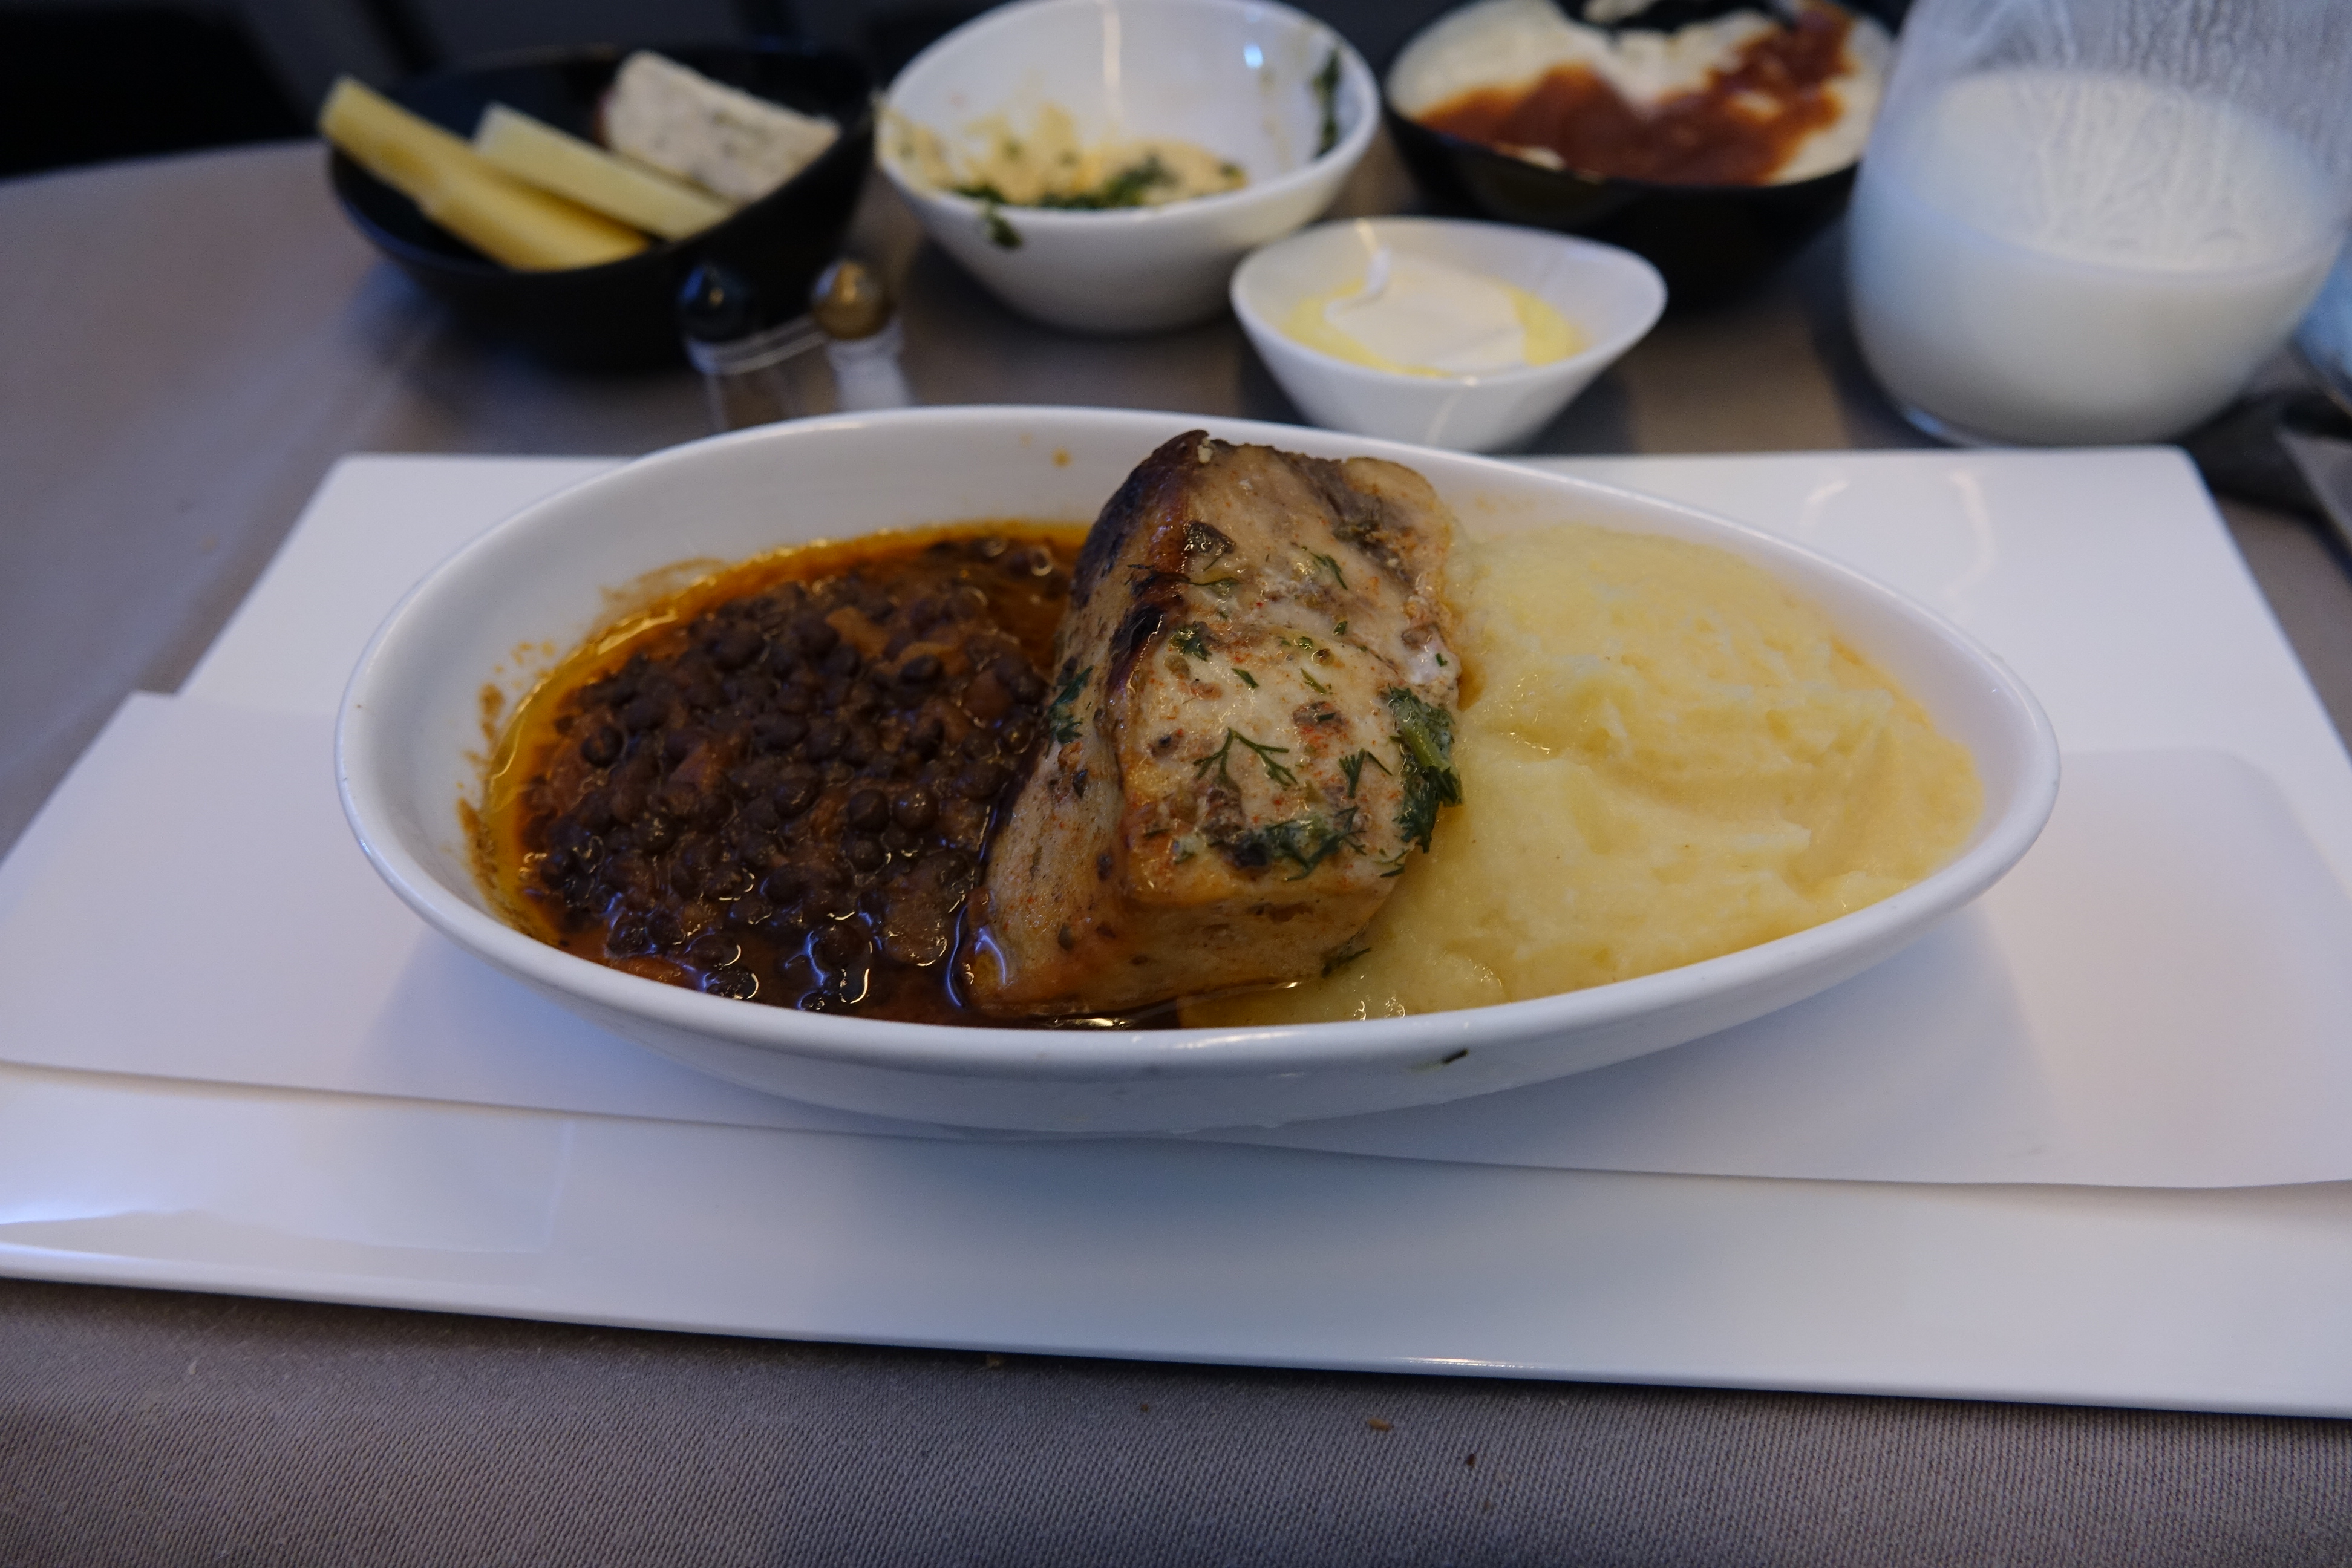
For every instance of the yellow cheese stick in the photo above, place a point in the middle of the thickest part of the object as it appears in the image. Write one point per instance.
(497, 215)
(533, 151)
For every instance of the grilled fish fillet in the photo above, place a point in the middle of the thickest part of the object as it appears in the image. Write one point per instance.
(1250, 731)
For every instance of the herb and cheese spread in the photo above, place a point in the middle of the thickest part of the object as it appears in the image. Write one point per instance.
(1048, 163)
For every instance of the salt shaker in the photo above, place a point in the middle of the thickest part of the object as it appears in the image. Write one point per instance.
(853, 307)
(754, 370)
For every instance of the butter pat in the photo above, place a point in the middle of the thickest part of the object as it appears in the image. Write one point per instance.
(1411, 315)
(507, 220)
(683, 123)
(538, 154)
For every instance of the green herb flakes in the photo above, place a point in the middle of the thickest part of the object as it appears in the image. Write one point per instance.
(1353, 766)
(1059, 719)
(1265, 755)
(1305, 842)
(1425, 738)
(1001, 234)
(1327, 102)
(1128, 187)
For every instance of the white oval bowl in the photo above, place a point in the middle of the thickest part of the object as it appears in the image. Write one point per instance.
(1135, 67)
(409, 744)
(1612, 296)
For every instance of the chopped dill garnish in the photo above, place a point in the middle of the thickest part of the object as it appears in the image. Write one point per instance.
(1192, 638)
(1326, 99)
(1275, 770)
(1425, 738)
(1265, 755)
(1129, 187)
(1320, 689)
(1353, 766)
(1058, 717)
(1247, 679)
(1305, 841)
(1331, 566)
(1001, 234)
(1339, 628)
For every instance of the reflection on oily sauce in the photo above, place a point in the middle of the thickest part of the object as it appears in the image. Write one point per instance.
(1737, 130)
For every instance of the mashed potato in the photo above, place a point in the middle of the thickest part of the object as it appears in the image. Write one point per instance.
(1664, 756)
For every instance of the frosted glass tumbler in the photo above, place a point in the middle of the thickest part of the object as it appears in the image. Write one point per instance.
(2087, 222)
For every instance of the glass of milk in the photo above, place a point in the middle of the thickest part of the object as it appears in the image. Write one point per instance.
(2085, 222)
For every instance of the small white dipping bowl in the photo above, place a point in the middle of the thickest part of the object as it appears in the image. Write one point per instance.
(409, 747)
(1613, 296)
(1234, 76)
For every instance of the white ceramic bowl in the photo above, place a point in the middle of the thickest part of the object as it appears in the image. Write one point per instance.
(1612, 296)
(409, 742)
(1234, 76)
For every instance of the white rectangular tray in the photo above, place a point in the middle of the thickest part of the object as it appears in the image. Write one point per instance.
(2215, 1300)
(2227, 1299)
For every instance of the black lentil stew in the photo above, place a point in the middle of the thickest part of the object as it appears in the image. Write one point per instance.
(778, 784)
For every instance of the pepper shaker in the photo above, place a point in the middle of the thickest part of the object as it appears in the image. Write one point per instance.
(853, 307)
(754, 370)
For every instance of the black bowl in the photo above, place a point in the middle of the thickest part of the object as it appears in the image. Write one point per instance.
(621, 315)
(1707, 241)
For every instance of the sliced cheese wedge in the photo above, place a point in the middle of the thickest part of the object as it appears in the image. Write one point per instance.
(510, 222)
(537, 153)
(680, 122)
